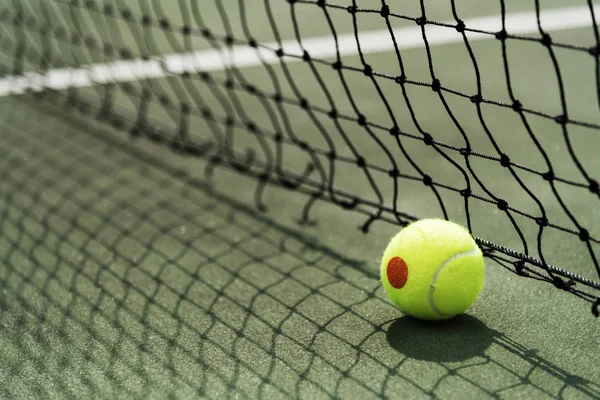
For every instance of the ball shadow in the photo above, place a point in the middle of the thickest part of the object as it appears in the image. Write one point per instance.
(456, 339)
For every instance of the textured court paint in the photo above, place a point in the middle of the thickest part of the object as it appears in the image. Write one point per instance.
(319, 47)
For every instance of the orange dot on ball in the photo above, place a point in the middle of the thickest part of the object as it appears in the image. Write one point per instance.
(397, 272)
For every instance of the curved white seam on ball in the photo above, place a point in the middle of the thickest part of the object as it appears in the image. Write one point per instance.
(439, 271)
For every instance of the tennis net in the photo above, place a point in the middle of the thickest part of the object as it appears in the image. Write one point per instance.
(394, 112)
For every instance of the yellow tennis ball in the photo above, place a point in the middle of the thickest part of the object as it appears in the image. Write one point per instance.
(433, 269)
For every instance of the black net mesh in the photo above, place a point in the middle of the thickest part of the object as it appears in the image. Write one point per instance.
(502, 125)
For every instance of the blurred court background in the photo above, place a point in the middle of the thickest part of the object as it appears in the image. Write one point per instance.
(166, 255)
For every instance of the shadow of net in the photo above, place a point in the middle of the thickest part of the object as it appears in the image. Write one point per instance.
(120, 278)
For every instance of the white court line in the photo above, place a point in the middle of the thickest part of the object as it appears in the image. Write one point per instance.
(319, 47)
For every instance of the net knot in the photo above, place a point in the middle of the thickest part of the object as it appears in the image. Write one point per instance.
(594, 187)
(460, 26)
(204, 76)
(428, 139)
(560, 283)
(541, 221)
(401, 80)
(501, 35)
(394, 173)
(520, 267)
(127, 87)
(546, 40)
(502, 205)
(548, 176)
(561, 119)
(385, 11)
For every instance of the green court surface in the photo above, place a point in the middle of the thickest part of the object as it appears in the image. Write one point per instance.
(128, 270)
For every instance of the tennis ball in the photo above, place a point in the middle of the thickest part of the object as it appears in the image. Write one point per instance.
(433, 269)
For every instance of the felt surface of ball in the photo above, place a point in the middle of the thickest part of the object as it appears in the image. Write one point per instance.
(433, 269)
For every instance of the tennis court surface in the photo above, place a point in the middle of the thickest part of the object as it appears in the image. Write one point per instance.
(195, 197)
